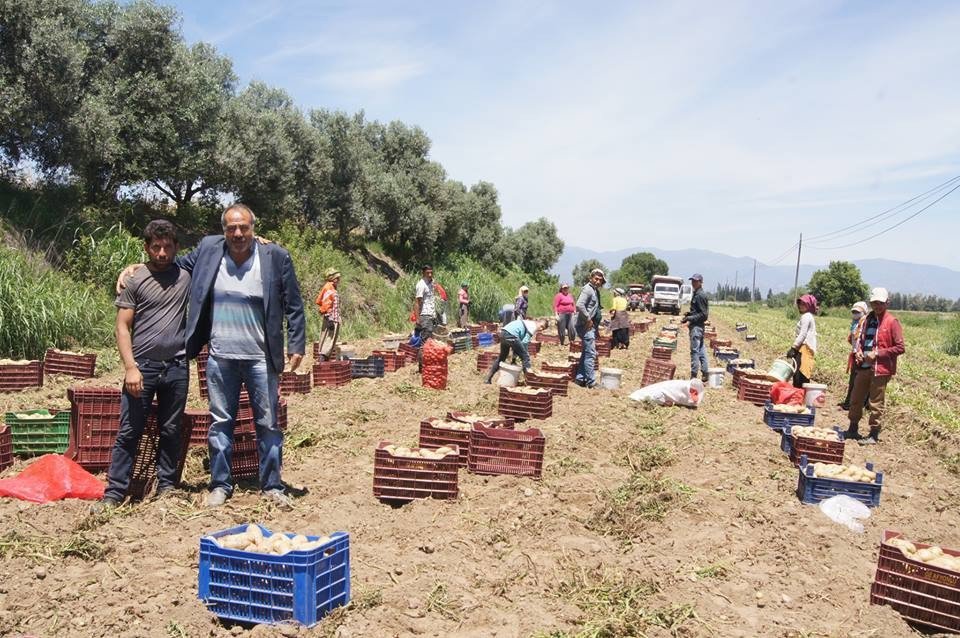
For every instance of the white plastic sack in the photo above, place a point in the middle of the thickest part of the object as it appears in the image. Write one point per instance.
(846, 511)
(688, 392)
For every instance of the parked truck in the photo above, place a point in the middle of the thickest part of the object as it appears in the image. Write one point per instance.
(666, 294)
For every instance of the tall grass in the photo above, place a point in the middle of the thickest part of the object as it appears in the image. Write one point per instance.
(40, 307)
(98, 257)
(951, 340)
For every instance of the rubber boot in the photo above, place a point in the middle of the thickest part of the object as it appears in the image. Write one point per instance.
(873, 438)
(852, 433)
(705, 377)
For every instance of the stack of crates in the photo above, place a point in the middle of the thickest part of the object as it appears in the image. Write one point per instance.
(94, 423)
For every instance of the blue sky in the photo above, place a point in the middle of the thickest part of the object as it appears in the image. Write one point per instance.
(732, 126)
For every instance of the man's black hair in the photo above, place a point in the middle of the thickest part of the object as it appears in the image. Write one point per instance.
(426, 267)
(160, 229)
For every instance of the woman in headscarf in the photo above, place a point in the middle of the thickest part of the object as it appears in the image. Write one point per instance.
(563, 307)
(804, 348)
(619, 321)
(520, 304)
(857, 313)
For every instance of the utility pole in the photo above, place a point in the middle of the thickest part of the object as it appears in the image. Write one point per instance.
(796, 274)
(753, 286)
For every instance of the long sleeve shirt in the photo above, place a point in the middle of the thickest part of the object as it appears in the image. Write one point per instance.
(806, 332)
(699, 309)
(588, 305)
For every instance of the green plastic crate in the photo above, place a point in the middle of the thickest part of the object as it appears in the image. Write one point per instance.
(32, 437)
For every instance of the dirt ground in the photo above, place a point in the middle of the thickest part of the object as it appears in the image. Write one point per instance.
(647, 521)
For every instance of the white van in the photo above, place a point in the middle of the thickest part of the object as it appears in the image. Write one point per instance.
(686, 294)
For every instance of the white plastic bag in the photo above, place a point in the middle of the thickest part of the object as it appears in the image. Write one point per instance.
(688, 392)
(846, 511)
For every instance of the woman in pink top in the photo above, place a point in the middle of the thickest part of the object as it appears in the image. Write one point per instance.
(564, 307)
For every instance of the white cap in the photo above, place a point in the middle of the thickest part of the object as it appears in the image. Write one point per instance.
(879, 294)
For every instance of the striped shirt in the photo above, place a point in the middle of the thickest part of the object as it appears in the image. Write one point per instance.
(869, 339)
(237, 330)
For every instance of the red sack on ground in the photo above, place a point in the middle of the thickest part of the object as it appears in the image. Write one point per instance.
(50, 478)
(783, 393)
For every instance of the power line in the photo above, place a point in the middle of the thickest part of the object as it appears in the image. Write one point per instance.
(888, 229)
(890, 212)
(783, 256)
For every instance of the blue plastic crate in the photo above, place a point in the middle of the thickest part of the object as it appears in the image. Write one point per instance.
(812, 490)
(485, 339)
(369, 368)
(262, 588)
(778, 421)
(750, 364)
(726, 356)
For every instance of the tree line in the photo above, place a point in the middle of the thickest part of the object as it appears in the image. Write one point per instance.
(108, 99)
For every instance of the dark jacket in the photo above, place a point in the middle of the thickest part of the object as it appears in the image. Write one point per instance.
(699, 309)
(281, 297)
(888, 343)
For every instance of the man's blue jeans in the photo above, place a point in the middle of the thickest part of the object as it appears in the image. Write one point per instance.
(698, 353)
(168, 382)
(588, 356)
(224, 378)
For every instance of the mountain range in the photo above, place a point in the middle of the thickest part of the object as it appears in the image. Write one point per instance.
(895, 276)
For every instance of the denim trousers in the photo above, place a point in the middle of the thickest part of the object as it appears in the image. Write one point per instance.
(698, 353)
(167, 381)
(588, 355)
(224, 379)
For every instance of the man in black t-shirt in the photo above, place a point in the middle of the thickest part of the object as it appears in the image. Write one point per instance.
(153, 308)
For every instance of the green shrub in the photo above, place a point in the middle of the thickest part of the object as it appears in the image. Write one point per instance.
(98, 257)
(40, 307)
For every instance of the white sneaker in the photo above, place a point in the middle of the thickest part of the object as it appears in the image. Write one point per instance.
(217, 497)
(279, 499)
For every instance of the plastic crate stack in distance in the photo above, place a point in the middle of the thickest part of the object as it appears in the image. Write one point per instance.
(143, 475)
(460, 340)
(332, 373)
(523, 403)
(661, 353)
(655, 371)
(921, 593)
(20, 375)
(485, 359)
(556, 382)
(754, 390)
(816, 450)
(6, 447)
(392, 360)
(370, 368)
(295, 382)
(403, 479)
(73, 364)
(813, 489)
(497, 451)
(409, 352)
(94, 423)
(31, 436)
(252, 587)
(474, 329)
(570, 369)
(780, 421)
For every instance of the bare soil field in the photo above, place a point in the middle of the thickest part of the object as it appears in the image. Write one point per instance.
(647, 522)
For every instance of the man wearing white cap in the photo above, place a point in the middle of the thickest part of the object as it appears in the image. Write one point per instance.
(875, 356)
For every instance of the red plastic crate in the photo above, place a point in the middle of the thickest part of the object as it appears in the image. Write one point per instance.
(73, 364)
(246, 459)
(20, 376)
(816, 450)
(332, 373)
(570, 369)
(432, 437)
(94, 423)
(655, 371)
(496, 421)
(392, 360)
(603, 346)
(485, 359)
(408, 351)
(474, 329)
(522, 406)
(199, 426)
(533, 348)
(662, 354)
(921, 593)
(576, 346)
(402, 479)
(754, 390)
(6, 447)
(143, 476)
(557, 386)
(550, 339)
(295, 383)
(496, 451)
(717, 343)
(638, 326)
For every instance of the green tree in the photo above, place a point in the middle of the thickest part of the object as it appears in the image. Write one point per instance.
(639, 268)
(581, 272)
(534, 247)
(839, 285)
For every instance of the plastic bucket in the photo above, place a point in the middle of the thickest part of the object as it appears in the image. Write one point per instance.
(815, 395)
(610, 378)
(392, 342)
(715, 377)
(509, 375)
(347, 351)
(782, 369)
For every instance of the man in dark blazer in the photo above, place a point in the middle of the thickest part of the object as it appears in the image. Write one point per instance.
(241, 290)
